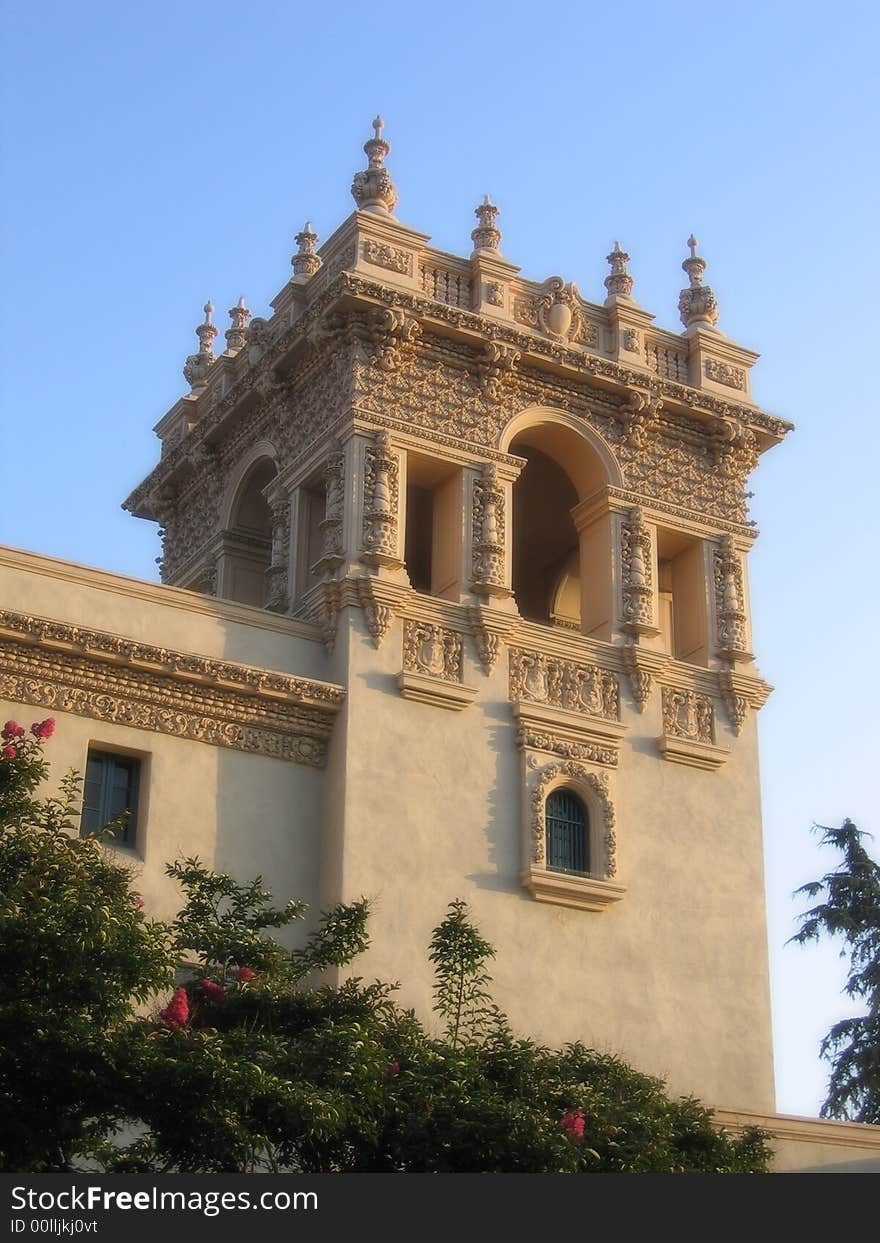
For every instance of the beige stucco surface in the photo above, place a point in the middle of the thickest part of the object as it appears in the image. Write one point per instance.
(673, 977)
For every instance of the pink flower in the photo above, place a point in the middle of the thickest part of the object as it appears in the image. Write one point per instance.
(393, 1069)
(213, 990)
(9, 752)
(243, 974)
(573, 1123)
(138, 901)
(12, 729)
(43, 729)
(176, 1013)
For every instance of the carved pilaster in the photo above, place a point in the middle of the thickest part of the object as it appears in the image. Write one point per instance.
(637, 581)
(488, 519)
(381, 503)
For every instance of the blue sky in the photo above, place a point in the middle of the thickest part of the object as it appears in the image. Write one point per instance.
(155, 156)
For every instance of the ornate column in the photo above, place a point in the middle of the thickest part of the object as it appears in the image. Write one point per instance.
(381, 525)
(488, 530)
(730, 615)
(638, 605)
(278, 573)
(332, 524)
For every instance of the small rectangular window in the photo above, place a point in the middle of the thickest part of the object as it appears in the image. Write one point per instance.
(111, 786)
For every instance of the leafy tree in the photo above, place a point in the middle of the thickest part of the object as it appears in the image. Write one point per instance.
(850, 910)
(76, 954)
(247, 1061)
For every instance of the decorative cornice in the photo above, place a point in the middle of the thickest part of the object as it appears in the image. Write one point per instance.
(111, 678)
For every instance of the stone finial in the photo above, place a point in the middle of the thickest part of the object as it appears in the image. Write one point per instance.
(372, 188)
(197, 365)
(305, 262)
(619, 283)
(487, 235)
(697, 304)
(236, 334)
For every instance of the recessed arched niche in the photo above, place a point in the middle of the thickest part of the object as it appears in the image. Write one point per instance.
(247, 537)
(561, 556)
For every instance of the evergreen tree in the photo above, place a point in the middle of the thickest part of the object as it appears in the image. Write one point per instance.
(850, 910)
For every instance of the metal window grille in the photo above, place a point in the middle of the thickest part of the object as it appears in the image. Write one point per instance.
(568, 845)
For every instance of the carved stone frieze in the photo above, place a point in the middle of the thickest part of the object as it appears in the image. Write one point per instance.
(109, 678)
(432, 650)
(381, 255)
(530, 739)
(566, 684)
(381, 502)
(487, 516)
(724, 373)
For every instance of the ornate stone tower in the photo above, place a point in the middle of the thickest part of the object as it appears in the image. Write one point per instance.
(518, 519)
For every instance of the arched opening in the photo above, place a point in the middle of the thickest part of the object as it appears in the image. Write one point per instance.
(247, 541)
(561, 564)
(568, 832)
(545, 540)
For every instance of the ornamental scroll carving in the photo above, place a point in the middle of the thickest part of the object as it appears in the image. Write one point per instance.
(432, 650)
(638, 583)
(595, 784)
(564, 684)
(381, 501)
(495, 367)
(220, 716)
(395, 334)
(687, 714)
(729, 601)
(640, 415)
(557, 312)
(736, 450)
(488, 532)
(389, 257)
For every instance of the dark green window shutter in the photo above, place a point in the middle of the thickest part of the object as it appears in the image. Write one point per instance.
(111, 786)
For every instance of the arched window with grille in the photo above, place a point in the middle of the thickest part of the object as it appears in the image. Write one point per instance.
(568, 832)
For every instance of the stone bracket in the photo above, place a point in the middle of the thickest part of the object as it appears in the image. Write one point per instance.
(570, 735)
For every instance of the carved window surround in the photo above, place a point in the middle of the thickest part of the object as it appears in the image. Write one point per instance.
(107, 677)
(596, 890)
